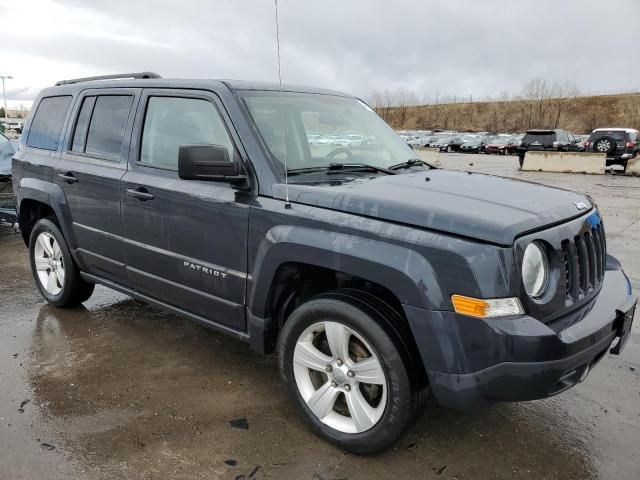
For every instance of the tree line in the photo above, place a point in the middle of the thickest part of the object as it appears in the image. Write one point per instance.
(540, 104)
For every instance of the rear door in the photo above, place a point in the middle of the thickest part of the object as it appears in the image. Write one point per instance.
(186, 240)
(89, 173)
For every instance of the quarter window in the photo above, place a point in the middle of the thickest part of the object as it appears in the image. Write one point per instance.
(47, 123)
(171, 122)
(108, 123)
(80, 133)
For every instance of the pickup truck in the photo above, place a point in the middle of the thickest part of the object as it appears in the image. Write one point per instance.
(378, 279)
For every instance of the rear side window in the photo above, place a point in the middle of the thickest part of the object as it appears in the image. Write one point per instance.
(47, 122)
(171, 122)
(107, 125)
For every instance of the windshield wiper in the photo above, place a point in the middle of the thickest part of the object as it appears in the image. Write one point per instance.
(412, 162)
(359, 166)
(339, 167)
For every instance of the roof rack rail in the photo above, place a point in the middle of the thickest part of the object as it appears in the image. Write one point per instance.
(109, 77)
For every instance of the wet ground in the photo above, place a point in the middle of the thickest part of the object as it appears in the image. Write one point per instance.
(118, 389)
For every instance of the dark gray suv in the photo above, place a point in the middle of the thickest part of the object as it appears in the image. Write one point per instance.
(377, 278)
(547, 140)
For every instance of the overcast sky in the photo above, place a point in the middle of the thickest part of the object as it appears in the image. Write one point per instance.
(436, 48)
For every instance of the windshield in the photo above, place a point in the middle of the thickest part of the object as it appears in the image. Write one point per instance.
(500, 140)
(356, 133)
(545, 138)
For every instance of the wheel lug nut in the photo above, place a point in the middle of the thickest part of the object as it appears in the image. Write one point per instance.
(334, 384)
(339, 362)
(350, 374)
(329, 368)
(347, 387)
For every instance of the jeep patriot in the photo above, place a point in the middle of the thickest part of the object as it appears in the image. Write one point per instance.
(378, 279)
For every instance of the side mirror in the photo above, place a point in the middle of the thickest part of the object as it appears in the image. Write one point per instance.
(208, 162)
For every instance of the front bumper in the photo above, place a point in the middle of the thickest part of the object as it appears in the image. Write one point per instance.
(472, 362)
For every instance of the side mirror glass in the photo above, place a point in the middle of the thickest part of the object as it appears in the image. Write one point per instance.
(208, 162)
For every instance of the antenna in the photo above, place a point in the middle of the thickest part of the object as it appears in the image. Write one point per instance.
(284, 141)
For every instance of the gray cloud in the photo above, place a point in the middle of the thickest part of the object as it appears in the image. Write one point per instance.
(448, 47)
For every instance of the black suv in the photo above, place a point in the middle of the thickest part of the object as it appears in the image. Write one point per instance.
(620, 144)
(377, 278)
(547, 140)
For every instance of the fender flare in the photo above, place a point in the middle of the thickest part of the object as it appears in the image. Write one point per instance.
(404, 272)
(51, 195)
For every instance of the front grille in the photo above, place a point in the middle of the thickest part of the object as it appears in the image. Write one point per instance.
(584, 259)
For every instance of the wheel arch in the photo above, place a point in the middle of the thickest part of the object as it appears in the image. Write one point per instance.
(36, 199)
(291, 260)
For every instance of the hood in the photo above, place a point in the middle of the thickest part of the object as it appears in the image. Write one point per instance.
(479, 206)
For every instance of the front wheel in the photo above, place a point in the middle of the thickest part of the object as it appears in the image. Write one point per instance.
(54, 271)
(348, 374)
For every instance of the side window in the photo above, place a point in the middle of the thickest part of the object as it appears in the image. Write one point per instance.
(108, 122)
(82, 125)
(171, 122)
(47, 122)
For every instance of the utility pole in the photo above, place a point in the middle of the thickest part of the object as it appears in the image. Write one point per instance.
(4, 94)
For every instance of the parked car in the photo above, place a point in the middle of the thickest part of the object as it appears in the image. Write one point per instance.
(514, 143)
(315, 139)
(473, 145)
(581, 142)
(498, 146)
(444, 143)
(7, 203)
(428, 140)
(377, 278)
(546, 140)
(620, 144)
(457, 142)
(14, 124)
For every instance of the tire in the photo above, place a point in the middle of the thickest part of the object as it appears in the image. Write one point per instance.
(393, 402)
(58, 277)
(605, 145)
(449, 149)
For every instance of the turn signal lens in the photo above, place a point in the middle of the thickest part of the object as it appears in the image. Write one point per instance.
(486, 308)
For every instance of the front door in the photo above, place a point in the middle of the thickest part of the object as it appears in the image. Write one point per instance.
(186, 240)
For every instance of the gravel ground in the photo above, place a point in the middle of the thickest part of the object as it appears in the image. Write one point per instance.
(118, 389)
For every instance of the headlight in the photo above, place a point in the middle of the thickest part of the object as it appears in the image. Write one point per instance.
(535, 270)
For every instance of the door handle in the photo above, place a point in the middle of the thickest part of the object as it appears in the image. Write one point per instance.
(140, 193)
(68, 177)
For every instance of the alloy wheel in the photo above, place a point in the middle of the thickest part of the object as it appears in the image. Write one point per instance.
(340, 377)
(604, 145)
(49, 263)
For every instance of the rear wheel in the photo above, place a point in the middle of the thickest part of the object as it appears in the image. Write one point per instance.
(347, 373)
(55, 273)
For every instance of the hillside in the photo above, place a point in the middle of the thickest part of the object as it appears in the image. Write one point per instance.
(575, 114)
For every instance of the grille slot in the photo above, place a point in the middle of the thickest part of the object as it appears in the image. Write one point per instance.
(584, 261)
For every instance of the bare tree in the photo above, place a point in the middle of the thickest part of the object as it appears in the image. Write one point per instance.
(562, 96)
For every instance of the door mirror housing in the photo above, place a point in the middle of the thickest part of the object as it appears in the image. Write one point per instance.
(208, 162)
